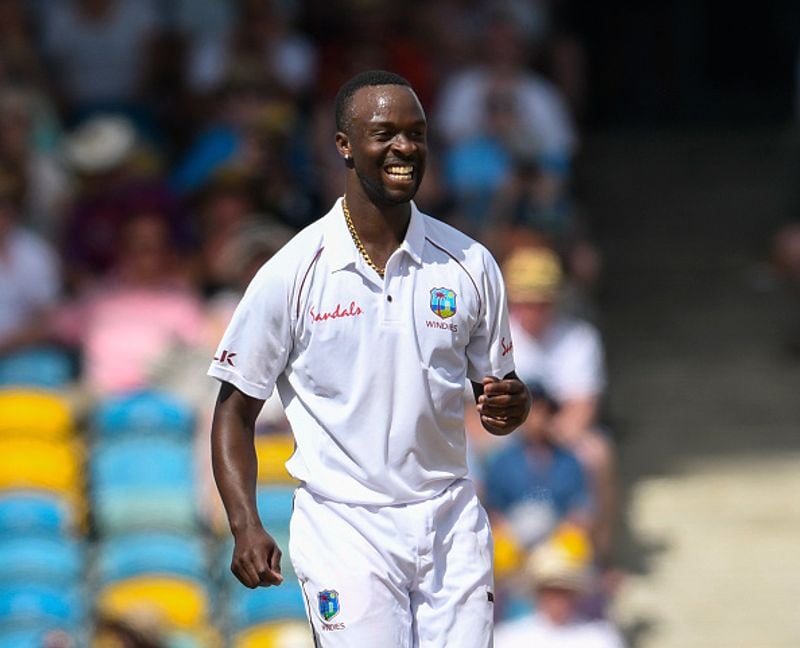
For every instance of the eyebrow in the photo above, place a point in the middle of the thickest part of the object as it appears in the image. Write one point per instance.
(384, 124)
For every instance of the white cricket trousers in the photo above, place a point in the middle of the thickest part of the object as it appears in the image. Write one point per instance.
(408, 576)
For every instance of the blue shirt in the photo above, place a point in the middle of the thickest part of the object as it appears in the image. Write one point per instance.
(517, 473)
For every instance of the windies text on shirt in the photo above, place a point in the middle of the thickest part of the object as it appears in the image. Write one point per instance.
(446, 326)
(336, 313)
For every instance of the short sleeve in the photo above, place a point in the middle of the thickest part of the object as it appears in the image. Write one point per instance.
(255, 347)
(489, 352)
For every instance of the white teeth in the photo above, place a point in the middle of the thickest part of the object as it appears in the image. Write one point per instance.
(399, 170)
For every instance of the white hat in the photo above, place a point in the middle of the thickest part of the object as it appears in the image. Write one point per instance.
(101, 143)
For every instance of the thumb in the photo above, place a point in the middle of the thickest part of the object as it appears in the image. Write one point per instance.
(488, 380)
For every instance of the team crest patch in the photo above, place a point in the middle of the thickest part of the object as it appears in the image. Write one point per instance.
(328, 604)
(443, 302)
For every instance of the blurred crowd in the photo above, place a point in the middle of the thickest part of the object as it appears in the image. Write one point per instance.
(153, 154)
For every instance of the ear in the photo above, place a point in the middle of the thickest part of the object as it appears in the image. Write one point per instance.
(343, 146)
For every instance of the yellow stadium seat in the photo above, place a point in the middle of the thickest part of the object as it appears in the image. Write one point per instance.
(176, 602)
(34, 413)
(289, 634)
(35, 463)
(508, 554)
(273, 451)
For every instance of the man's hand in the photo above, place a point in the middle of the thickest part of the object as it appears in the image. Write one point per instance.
(503, 404)
(256, 558)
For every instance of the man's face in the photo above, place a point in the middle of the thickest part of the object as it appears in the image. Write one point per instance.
(387, 140)
(534, 316)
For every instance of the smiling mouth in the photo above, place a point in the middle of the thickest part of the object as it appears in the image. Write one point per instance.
(401, 172)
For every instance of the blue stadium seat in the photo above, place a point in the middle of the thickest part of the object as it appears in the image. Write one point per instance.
(264, 604)
(49, 368)
(127, 510)
(143, 483)
(275, 503)
(132, 463)
(146, 412)
(34, 637)
(151, 553)
(31, 512)
(39, 605)
(41, 559)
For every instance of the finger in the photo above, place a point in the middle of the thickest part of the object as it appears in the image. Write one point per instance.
(268, 577)
(271, 574)
(488, 380)
(245, 573)
(499, 423)
(504, 387)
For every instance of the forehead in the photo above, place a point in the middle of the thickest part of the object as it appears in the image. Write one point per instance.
(386, 103)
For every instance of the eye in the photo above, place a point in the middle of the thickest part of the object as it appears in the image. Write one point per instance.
(382, 136)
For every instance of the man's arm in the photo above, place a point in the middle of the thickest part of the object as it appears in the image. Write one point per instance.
(256, 558)
(502, 404)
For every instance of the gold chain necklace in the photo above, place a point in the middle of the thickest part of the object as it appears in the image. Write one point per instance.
(358, 242)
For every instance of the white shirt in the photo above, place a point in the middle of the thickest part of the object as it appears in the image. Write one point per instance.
(100, 60)
(371, 377)
(462, 109)
(568, 360)
(536, 631)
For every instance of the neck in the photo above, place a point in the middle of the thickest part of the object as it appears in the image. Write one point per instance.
(378, 231)
(379, 225)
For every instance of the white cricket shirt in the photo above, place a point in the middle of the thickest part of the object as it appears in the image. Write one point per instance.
(371, 372)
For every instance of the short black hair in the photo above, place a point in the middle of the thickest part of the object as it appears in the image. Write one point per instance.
(362, 80)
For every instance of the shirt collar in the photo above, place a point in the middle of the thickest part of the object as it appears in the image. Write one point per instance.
(342, 251)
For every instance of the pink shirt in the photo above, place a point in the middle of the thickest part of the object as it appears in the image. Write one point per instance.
(125, 331)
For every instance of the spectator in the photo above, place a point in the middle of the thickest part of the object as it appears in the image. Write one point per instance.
(99, 52)
(46, 187)
(533, 483)
(566, 356)
(29, 276)
(462, 104)
(558, 573)
(502, 177)
(103, 153)
(137, 315)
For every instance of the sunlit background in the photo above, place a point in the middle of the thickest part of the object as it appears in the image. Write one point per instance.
(154, 153)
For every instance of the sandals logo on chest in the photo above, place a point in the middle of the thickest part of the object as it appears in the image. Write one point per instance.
(353, 310)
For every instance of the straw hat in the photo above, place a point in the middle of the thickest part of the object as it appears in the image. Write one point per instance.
(532, 274)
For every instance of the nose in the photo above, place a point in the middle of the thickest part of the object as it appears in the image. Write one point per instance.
(403, 145)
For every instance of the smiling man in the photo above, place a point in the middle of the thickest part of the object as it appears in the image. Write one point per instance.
(370, 322)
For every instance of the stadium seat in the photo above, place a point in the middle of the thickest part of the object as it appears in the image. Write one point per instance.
(275, 504)
(126, 556)
(41, 559)
(144, 413)
(47, 368)
(266, 604)
(273, 450)
(288, 634)
(41, 464)
(134, 462)
(34, 414)
(36, 637)
(35, 512)
(38, 605)
(127, 510)
(180, 603)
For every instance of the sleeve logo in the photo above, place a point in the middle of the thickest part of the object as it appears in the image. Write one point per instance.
(226, 357)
